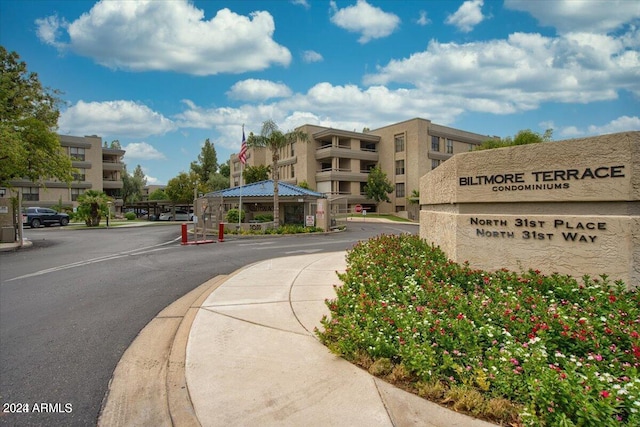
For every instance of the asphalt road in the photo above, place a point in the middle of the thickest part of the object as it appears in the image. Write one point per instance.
(71, 305)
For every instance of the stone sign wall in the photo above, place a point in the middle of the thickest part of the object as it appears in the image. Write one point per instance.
(571, 207)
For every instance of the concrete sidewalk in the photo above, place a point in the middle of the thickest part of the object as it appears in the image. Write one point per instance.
(252, 357)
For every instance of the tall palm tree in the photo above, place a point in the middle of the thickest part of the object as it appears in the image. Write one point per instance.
(274, 139)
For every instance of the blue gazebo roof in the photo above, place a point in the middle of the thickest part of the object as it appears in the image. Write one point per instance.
(265, 189)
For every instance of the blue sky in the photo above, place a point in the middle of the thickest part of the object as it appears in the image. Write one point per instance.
(162, 76)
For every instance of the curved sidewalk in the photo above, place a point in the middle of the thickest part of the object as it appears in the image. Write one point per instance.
(252, 357)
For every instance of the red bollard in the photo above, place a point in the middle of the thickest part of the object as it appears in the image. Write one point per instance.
(184, 234)
(221, 232)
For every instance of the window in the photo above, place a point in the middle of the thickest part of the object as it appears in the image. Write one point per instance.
(77, 153)
(399, 141)
(293, 149)
(471, 147)
(435, 143)
(293, 170)
(434, 164)
(79, 175)
(400, 189)
(31, 194)
(449, 146)
(399, 167)
(75, 193)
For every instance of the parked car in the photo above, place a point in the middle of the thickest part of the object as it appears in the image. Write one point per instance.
(35, 217)
(179, 216)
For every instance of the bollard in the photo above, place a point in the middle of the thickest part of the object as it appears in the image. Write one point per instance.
(184, 234)
(221, 232)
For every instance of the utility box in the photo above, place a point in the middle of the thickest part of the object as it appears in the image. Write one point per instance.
(7, 234)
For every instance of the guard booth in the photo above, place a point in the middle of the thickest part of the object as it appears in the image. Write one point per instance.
(296, 206)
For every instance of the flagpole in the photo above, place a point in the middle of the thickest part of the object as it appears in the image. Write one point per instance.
(241, 166)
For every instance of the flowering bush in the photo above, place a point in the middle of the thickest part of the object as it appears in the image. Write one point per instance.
(562, 352)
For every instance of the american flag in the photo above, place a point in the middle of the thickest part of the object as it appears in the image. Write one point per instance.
(243, 150)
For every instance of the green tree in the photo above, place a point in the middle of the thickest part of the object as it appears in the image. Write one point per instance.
(158, 194)
(29, 146)
(414, 199)
(272, 138)
(207, 163)
(217, 181)
(523, 137)
(304, 184)
(133, 185)
(257, 173)
(180, 188)
(92, 205)
(225, 169)
(378, 187)
(115, 144)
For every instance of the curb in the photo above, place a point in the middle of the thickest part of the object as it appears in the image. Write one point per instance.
(148, 386)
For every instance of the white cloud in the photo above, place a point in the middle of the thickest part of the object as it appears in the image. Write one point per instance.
(303, 3)
(309, 56)
(258, 90)
(576, 15)
(169, 36)
(467, 16)
(371, 22)
(142, 150)
(49, 29)
(151, 180)
(621, 124)
(122, 118)
(519, 73)
(423, 20)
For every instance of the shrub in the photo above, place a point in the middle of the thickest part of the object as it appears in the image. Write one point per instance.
(130, 216)
(264, 218)
(232, 216)
(562, 352)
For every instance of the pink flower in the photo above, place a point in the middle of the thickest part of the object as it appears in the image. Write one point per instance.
(604, 393)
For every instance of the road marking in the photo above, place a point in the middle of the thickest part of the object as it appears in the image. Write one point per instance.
(139, 251)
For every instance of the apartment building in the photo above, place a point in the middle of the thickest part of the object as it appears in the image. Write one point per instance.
(96, 168)
(337, 162)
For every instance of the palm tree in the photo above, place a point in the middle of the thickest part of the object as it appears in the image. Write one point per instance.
(91, 206)
(274, 139)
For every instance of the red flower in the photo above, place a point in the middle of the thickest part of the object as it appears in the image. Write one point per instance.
(604, 393)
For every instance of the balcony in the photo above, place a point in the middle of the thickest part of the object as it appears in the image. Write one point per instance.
(112, 166)
(341, 175)
(328, 152)
(112, 184)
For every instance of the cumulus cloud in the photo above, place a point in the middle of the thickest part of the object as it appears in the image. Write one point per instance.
(122, 118)
(258, 90)
(519, 73)
(142, 150)
(621, 124)
(371, 22)
(309, 56)
(169, 36)
(576, 15)
(467, 16)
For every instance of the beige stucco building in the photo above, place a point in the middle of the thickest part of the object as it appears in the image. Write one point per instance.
(97, 168)
(337, 162)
